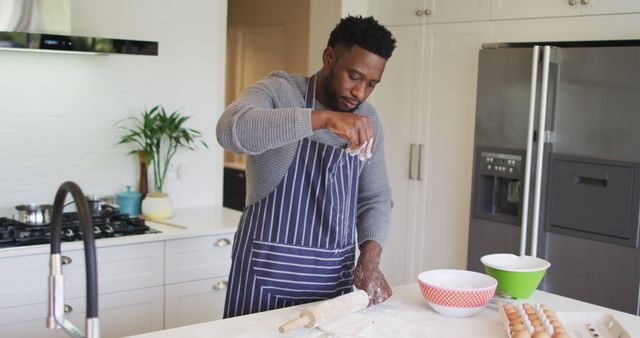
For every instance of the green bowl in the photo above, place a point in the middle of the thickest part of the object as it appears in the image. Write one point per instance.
(518, 276)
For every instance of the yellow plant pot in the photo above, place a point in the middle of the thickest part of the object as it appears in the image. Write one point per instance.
(157, 205)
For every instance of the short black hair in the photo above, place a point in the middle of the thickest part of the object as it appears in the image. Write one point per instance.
(366, 33)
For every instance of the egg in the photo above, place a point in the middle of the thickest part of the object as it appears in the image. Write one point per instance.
(538, 328)
(559, 329)
(515, 322)
(540, 334)
(513, 316)
(554, 322)
(527, 306)
(544, 307)
(516, 327)
(521, 334)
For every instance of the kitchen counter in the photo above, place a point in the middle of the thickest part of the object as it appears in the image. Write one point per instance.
(405, 314)
(194, 222)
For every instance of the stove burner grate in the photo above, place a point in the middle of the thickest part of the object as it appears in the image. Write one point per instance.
(14, 233)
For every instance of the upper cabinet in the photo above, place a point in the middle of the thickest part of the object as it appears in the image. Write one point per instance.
(517, 9)
(412, 12)
(594, 7)
(409, 12)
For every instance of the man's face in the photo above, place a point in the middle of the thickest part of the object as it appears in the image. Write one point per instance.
(353, 74)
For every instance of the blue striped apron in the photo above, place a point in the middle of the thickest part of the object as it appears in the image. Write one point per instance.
(297, 245)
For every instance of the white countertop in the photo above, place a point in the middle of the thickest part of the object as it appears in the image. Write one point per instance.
(405, 314)
(199, 221)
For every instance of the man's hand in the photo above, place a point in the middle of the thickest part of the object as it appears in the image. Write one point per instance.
(356, 129)
(368, 276)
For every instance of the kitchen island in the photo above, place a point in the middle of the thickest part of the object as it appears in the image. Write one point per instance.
(405, 314)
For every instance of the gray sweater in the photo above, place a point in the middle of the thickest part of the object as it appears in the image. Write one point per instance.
(267, 121)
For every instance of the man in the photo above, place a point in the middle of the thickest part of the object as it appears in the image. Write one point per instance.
(307, 194)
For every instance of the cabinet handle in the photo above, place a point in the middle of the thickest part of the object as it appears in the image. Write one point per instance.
(419, 13)
(572, 2)
(420, 148)
(66, 260)
(222, 285)
(67, 308)
(222, 242)
(427, 12)
(411, 147)
(584, 2)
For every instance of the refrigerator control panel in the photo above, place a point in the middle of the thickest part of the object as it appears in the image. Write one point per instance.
(505, 165)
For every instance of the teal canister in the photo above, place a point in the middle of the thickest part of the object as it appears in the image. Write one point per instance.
(129, 202)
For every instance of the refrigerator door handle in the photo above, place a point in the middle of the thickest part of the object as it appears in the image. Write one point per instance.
(530, 133)
(540, 151)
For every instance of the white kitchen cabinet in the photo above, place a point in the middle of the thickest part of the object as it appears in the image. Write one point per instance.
(196, 277)
(125, 275)
(595, 7)
(125, 267)
(23, 279)
(198, 258)
(398, 99)
(427, 98)
(595, 27)
(447, 132)
(194, 302)
(518, 9)
(120, 314)
(410, 12)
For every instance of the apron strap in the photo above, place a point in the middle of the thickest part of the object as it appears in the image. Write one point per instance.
(310, 96)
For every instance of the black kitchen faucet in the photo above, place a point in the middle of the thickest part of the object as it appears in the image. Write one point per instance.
(55, 318)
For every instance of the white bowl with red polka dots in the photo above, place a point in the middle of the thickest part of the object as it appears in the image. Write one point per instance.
(457, 293)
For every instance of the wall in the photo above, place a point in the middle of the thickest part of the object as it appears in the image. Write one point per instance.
(58, 111)
(325, 14)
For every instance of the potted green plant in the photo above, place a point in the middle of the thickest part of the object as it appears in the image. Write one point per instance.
(157, 136)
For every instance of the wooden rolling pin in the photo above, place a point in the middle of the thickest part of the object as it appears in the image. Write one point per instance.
(328, 310)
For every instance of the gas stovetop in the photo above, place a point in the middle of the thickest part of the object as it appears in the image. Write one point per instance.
(14, 233)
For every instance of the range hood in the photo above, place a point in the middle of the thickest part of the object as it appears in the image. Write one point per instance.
(45, 25)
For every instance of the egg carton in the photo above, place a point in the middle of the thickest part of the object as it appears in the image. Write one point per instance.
(540, 321)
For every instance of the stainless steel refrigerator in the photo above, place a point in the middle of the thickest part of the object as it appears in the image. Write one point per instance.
(557, 165)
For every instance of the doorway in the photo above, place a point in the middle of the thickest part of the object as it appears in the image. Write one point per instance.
(262, 36)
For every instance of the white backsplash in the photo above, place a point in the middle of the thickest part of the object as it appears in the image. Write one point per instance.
(58, 111)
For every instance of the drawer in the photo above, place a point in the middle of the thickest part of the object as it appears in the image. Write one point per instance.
(198, 258)
(595, 199)
(195, 302)
(120, 314)
(125, 267)
(23, 279)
